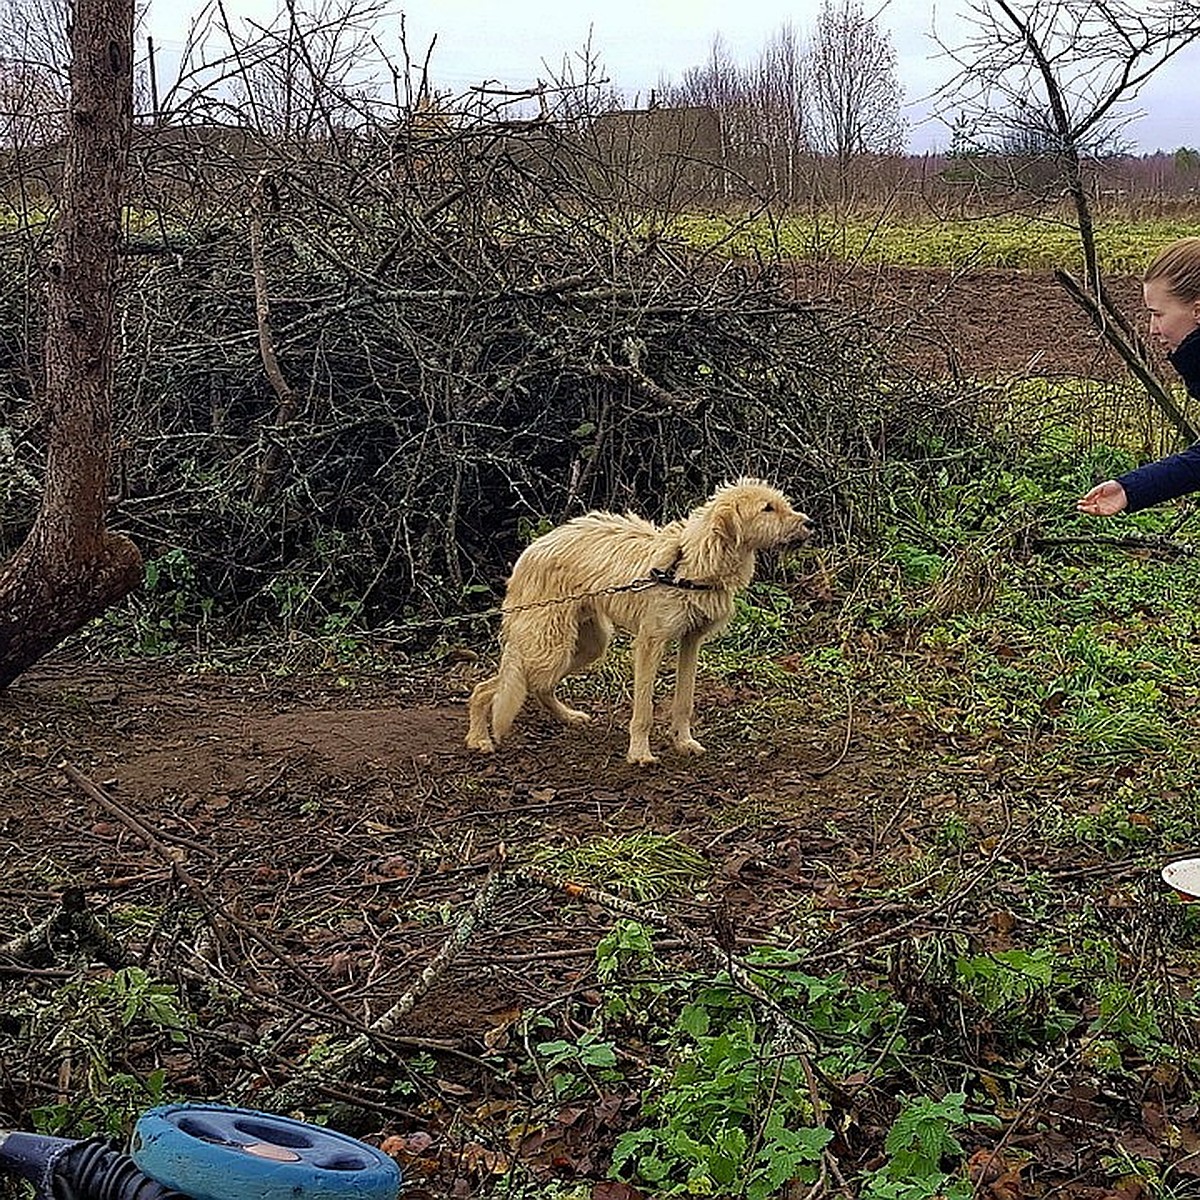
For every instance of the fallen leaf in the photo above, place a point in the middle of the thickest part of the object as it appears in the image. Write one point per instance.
(611, 1189)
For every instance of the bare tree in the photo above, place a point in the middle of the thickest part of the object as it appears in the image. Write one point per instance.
(782, 88)
(36, 33)
(1062, 75)
(34, 55)
(720, 84)
(35, 60)
(70, 567)
(855, 92)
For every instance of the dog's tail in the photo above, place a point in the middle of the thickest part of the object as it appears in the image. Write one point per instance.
(509, 695)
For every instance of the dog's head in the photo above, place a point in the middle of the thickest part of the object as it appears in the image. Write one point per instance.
(756, 516)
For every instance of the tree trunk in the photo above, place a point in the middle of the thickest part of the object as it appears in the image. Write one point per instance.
(71, 568)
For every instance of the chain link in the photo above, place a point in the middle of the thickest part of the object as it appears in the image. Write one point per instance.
(638, 585)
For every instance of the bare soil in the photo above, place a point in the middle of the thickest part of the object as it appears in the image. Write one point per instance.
(982, 324)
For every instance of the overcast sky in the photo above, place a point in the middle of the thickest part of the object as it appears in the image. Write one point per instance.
(640, 41)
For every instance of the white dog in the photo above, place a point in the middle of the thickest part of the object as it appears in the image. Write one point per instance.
(558, 616)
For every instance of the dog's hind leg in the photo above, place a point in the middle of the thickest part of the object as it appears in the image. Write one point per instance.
(591, 642)
(479, 709)
(560, 711)
(647, 655)
(685, 695)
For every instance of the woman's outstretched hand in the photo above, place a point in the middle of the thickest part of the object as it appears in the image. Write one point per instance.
(1104, 500)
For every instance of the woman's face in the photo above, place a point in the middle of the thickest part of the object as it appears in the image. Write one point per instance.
(1171, 319)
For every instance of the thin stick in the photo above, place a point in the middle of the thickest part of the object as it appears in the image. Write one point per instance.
(332, 1068)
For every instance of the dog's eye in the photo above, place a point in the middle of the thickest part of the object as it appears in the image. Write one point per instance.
(769, 508)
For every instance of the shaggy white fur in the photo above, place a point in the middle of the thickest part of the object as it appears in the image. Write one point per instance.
(713, 547)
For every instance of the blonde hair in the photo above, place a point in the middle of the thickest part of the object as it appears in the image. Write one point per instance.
(1178, 264)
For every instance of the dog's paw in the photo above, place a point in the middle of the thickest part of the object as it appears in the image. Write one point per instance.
(689, 746)
(482, 745)
(575, 716)
(641, 758)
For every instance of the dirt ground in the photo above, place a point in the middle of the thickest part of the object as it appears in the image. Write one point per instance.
(310, 842)
(983, 323)
(329, 826)
(364, 789)
(332, 827)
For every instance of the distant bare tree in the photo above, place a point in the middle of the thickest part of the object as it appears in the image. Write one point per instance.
(720, 84)
(31, 105)
(781, 87)
(36, 32)
(855, 92)
(760, 108)
(293, 79)
(1061, 74)
(34, 58)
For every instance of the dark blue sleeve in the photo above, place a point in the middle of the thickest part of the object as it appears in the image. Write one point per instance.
(1165, 479)
(1177, 474)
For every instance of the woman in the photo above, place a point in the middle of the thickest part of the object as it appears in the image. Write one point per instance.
(1171, 288)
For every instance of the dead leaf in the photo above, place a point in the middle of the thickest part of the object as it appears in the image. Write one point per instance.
(1137, 1145)
(496, 1037)
(1001, 921)
(999, 1171)
(479, 1158)
(411, 1151)
(379, 827)
(611, 1189)
(396, 867)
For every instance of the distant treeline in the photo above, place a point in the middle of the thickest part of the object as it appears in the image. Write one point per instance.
(680, 158)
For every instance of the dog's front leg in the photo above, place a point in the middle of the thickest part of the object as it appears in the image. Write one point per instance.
(685, 695)
(647, 655)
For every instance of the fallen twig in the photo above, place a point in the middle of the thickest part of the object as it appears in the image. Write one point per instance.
(71, 917)
(217, 912)
(1129, 541)
(330, 1068)
(738, 973)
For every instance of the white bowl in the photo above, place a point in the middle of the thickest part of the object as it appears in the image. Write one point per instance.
(1184, 876)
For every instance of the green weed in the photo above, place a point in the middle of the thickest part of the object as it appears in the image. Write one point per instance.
(730, 1106)
(576, 1067)
(171, 611)
(1012, 242)
(918, 1145)
(88, 1026)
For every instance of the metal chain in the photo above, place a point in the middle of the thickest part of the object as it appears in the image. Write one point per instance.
(656, 578)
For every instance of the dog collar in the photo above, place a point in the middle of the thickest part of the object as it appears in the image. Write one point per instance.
(666, 577)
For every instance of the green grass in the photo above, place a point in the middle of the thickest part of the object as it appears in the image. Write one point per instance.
(642, 865)
(1030, 243)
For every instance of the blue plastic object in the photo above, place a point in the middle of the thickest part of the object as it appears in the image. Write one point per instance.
(210, 1152)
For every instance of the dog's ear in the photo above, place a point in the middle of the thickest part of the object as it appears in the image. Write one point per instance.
(725, 522)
